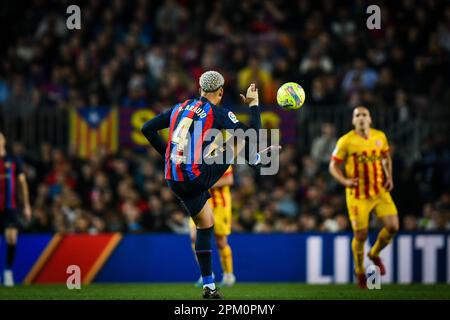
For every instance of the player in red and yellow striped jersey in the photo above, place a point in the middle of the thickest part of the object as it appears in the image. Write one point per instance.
(221, 203)
(367, 181)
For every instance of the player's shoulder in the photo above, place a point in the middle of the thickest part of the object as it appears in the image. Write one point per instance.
(224, 112)
(347, 136)
(377, 133)
(182, 103)
(221, 109)
(13, 159)
(18, 159)
(10, 157)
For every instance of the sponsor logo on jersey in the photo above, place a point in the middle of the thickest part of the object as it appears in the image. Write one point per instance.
(378, 143)
(232, 117)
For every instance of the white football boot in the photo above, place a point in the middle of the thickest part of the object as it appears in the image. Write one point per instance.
(8, 278)
(228, 280)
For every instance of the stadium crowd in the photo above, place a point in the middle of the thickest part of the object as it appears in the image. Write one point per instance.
(127, 193)
(147, 53)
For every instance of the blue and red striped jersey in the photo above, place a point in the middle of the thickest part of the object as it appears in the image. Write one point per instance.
(10, 168)
(188, 123)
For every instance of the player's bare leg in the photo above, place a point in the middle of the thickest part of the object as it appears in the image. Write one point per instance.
(203, 250)
(385, 236)
(226, 259)
(205, 218)
(11, 242)
(359, 238)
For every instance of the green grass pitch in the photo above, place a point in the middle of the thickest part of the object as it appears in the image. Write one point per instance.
(242, 291)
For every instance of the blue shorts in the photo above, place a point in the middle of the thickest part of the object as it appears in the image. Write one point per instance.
(9, 218)
(193, 194)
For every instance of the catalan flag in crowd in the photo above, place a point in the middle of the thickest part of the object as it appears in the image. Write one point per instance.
(92, 129)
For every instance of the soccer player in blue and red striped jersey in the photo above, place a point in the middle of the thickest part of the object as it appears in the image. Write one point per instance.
(186, 172)
(11, 178)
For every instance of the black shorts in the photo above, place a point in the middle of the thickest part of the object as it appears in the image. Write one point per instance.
(9, 218)
(193, 194)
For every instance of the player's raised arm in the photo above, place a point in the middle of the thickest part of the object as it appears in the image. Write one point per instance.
(228, 120)
(150, 130)
(252, 99)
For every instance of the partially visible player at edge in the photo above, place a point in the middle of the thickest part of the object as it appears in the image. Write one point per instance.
(188, 176)
(11, 176)
(367, 181)
(221, 205)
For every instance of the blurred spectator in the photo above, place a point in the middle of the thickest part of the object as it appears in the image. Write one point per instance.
(321, 93)
(343, 25)
(253, 73)
(307, 222)
(4, 90)
(246, 221)
(359, 75)
(313, 65)
(178, 222)
(385, 89)
(409, 223)
(323, 145)
(20, 101)
(402, 107)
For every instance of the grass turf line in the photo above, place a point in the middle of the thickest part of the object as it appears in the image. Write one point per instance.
(242, 291)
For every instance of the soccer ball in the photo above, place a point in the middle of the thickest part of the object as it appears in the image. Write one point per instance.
(290, 96)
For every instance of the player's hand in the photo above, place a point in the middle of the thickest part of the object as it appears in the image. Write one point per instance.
(27, 212)
(268, 150)
(264, 153)
(252, 97)
(389, 184)
(351, 183)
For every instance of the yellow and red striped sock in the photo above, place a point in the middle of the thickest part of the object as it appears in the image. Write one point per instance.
(383, 239)
(226, 259)
(358, 255)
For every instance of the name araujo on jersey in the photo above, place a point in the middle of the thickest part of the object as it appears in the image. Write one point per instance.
(197, 109)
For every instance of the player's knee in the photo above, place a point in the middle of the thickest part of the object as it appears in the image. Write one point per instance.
(392, 228)
(11, 241)
(221, 242)
(361, 235)
(204, 220)
(11, 236)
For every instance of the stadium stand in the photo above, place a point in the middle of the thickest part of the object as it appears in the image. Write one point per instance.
(139, 55)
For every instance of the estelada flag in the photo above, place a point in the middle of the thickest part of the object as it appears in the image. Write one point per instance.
(92, 129)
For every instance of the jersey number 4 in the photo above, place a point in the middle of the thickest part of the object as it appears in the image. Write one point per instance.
(180, 138)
